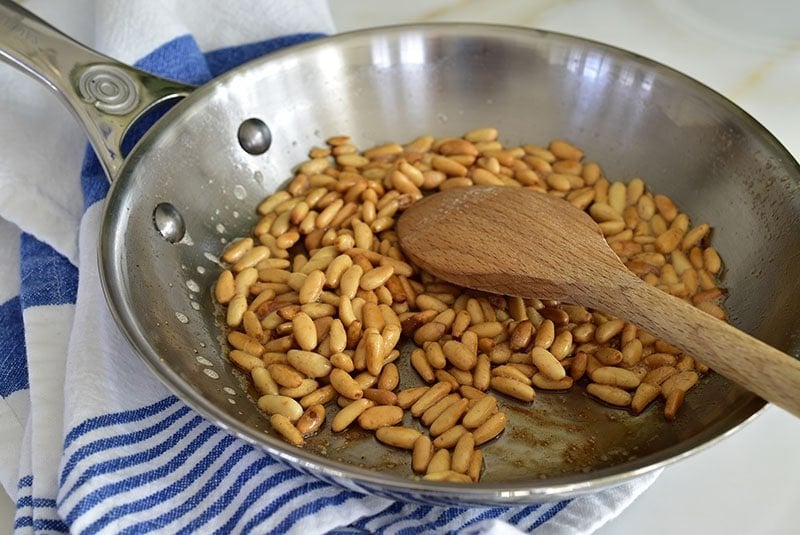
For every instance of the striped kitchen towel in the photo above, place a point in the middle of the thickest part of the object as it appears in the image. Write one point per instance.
(90, 441)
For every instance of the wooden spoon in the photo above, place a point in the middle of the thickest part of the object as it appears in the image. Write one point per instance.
(515, 241)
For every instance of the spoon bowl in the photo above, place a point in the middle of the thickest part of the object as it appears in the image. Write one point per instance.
(519, 242)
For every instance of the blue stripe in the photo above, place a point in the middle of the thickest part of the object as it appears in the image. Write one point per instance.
(30, 501)
(167, 493)
(255, 495)
(23, 522)
(525, 511)
(43, 524)
(118, 418)
(190, 503)
(233, 491)
(26, 481)
(117, 441)
(492, 512)
(46, 277)
(389, 515)
(446, 516)
(314, 507)
(13, 359)
(550, 513)
(267, 512)
(123, 463)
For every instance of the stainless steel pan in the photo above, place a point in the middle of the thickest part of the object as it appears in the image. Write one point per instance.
(194, 180)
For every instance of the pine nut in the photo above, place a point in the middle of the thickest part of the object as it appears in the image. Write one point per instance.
(429, 397)
(547, 363)
(490, 428)
(224, 289)
(610, 394)
(513, 388)
(459, 355)
(480, 412)
(610, 375)
(462, 454)
(284, 426)
(436, 410)
(311, 420)
(449, 417)
(347, 415)
(399, 437)
(380, 416)
(280, 405)
(645, 394)
(421, 454)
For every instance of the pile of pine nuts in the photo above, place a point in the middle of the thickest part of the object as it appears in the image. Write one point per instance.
(318, 297)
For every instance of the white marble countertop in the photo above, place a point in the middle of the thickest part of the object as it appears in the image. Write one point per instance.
(749, 52)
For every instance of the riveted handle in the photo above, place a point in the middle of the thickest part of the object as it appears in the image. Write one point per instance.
(106, 96)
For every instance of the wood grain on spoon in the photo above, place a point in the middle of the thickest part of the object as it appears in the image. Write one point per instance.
(515, 241)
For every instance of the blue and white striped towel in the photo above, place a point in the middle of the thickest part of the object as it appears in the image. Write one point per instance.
(90, 441)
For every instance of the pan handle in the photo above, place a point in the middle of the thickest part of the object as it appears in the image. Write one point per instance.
(105, 95)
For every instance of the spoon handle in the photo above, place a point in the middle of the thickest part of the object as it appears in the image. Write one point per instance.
(759, 367)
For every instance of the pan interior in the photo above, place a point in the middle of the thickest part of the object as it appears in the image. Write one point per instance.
(634, 117)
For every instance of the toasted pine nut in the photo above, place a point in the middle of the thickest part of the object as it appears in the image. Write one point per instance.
(611, 375)
(562, 345)
(312, 286)
(304, 331)
(307, 386)
(513, 388)
(237, 306)
(490, 428)
(244, 360)
(376, 277)
(309, 363)
(311, 420)
(284, 426)
(243, 342)
(263, 381)
(644, 395)
(440, 462)
(547, 363)
(380, 416)
(481, 374)
(224, 289)
(459, 355)
(673, 403)
(608, 330)
(399, 437)
(449, 417)
(462, 454)
(545, 334)
(429, 397)
(348, 414)
(420, 363)
(320, 396)
(429, 332)
(421, 454)
(406, 398)
(540, 380)
(679, 381)
(435, 410)
(610, 394)
(480, 412)
(280, 405)
(344, 384)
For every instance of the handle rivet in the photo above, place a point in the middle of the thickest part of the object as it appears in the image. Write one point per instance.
(169, 222)
(254, 136)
